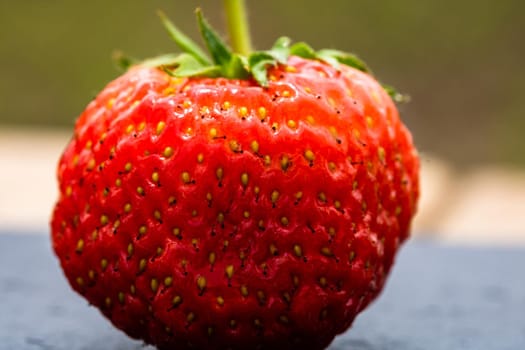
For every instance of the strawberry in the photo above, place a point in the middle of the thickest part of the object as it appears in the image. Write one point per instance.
(241, 202)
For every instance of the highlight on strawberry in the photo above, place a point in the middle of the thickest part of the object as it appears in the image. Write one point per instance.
(236, 199)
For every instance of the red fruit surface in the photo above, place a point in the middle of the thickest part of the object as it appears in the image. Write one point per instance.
(214, 213)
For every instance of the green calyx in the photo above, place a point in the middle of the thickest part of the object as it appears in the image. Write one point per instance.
(194, 62)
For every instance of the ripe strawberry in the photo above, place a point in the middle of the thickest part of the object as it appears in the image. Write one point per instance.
(260, 207)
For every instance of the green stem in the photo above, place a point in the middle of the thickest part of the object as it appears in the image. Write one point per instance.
(238, 26)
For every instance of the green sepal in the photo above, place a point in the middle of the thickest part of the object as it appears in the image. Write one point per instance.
(183, 41)
(122, 61)
(395, 95)
(220, 52)
(303, 50)
(348, 59)
(259, 63)
(281, 50)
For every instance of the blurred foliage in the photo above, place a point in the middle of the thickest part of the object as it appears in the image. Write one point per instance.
(461, 61)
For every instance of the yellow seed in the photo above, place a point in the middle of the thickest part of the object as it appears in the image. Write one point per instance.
(168, 152)
(337, 204)
(130, 128)
(186, 104)
(322, 196)
(154, 285)
(273, 249)
(285, 163)
(256, 189)
(243, 111)
(200, 158)
(213, 132)
(220, 218)
(204, 110)
(233, 323)
(219, 173)
(108, 301)
(260, 224)
(298, 250)
(210, 331)
(80, 281)
(229, 271)
(310, 119)
(354, 185)
(211, 258)
(127, 207)
(287, 297)
(91, 164)
(292, 124)
(168, 281)
(220, 300)
(226, 105)
(398, 210)
(262, 113)
(142, 264)
(244, 179)
(246, 214)
(351, 256)
(284, 221)
(69, 191)
(160, 126)
(274, 196)
(322, 281)
(118, 182)
(91, 274)
(331, 166)
(191, 317)
(94, 234)
(128, 167)
(103, 264)
(155, 177)
(244, 290)
(331, 231)
(185, 176)
(176, 300)
(326, 251)
(140, 190)
(130, 249)
(283, 319)
(194, 213)
(110, 103)
(299, 195)
(142, 230)
(369, 121)
(309, 155)
(209, 197)
(121, 297)
(295, 280)
(132, 289)
(80, 246)
(172, 200)
(201, 282)
(104, 220)
(275, 126)
(261, 296)
(254, 146)
(267, 160)
(116, 224)
(142, 125)
(290, 69)
(235, 146)
(381, 154)
(157, 215)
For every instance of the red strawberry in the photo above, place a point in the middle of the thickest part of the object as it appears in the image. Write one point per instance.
(261, 209)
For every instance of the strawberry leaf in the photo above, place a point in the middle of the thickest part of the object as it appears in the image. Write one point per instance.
(348, 59)
(281, 50)
(220, 52)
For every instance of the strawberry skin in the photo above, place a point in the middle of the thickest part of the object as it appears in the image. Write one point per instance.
(213, 213)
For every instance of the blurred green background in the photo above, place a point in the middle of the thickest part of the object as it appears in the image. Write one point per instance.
(462, 62)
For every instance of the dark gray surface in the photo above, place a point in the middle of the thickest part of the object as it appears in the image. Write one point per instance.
(437, 298)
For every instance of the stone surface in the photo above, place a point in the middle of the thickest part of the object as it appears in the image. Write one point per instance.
(437, 298)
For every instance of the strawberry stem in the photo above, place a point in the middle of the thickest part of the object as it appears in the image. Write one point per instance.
(238, 28)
